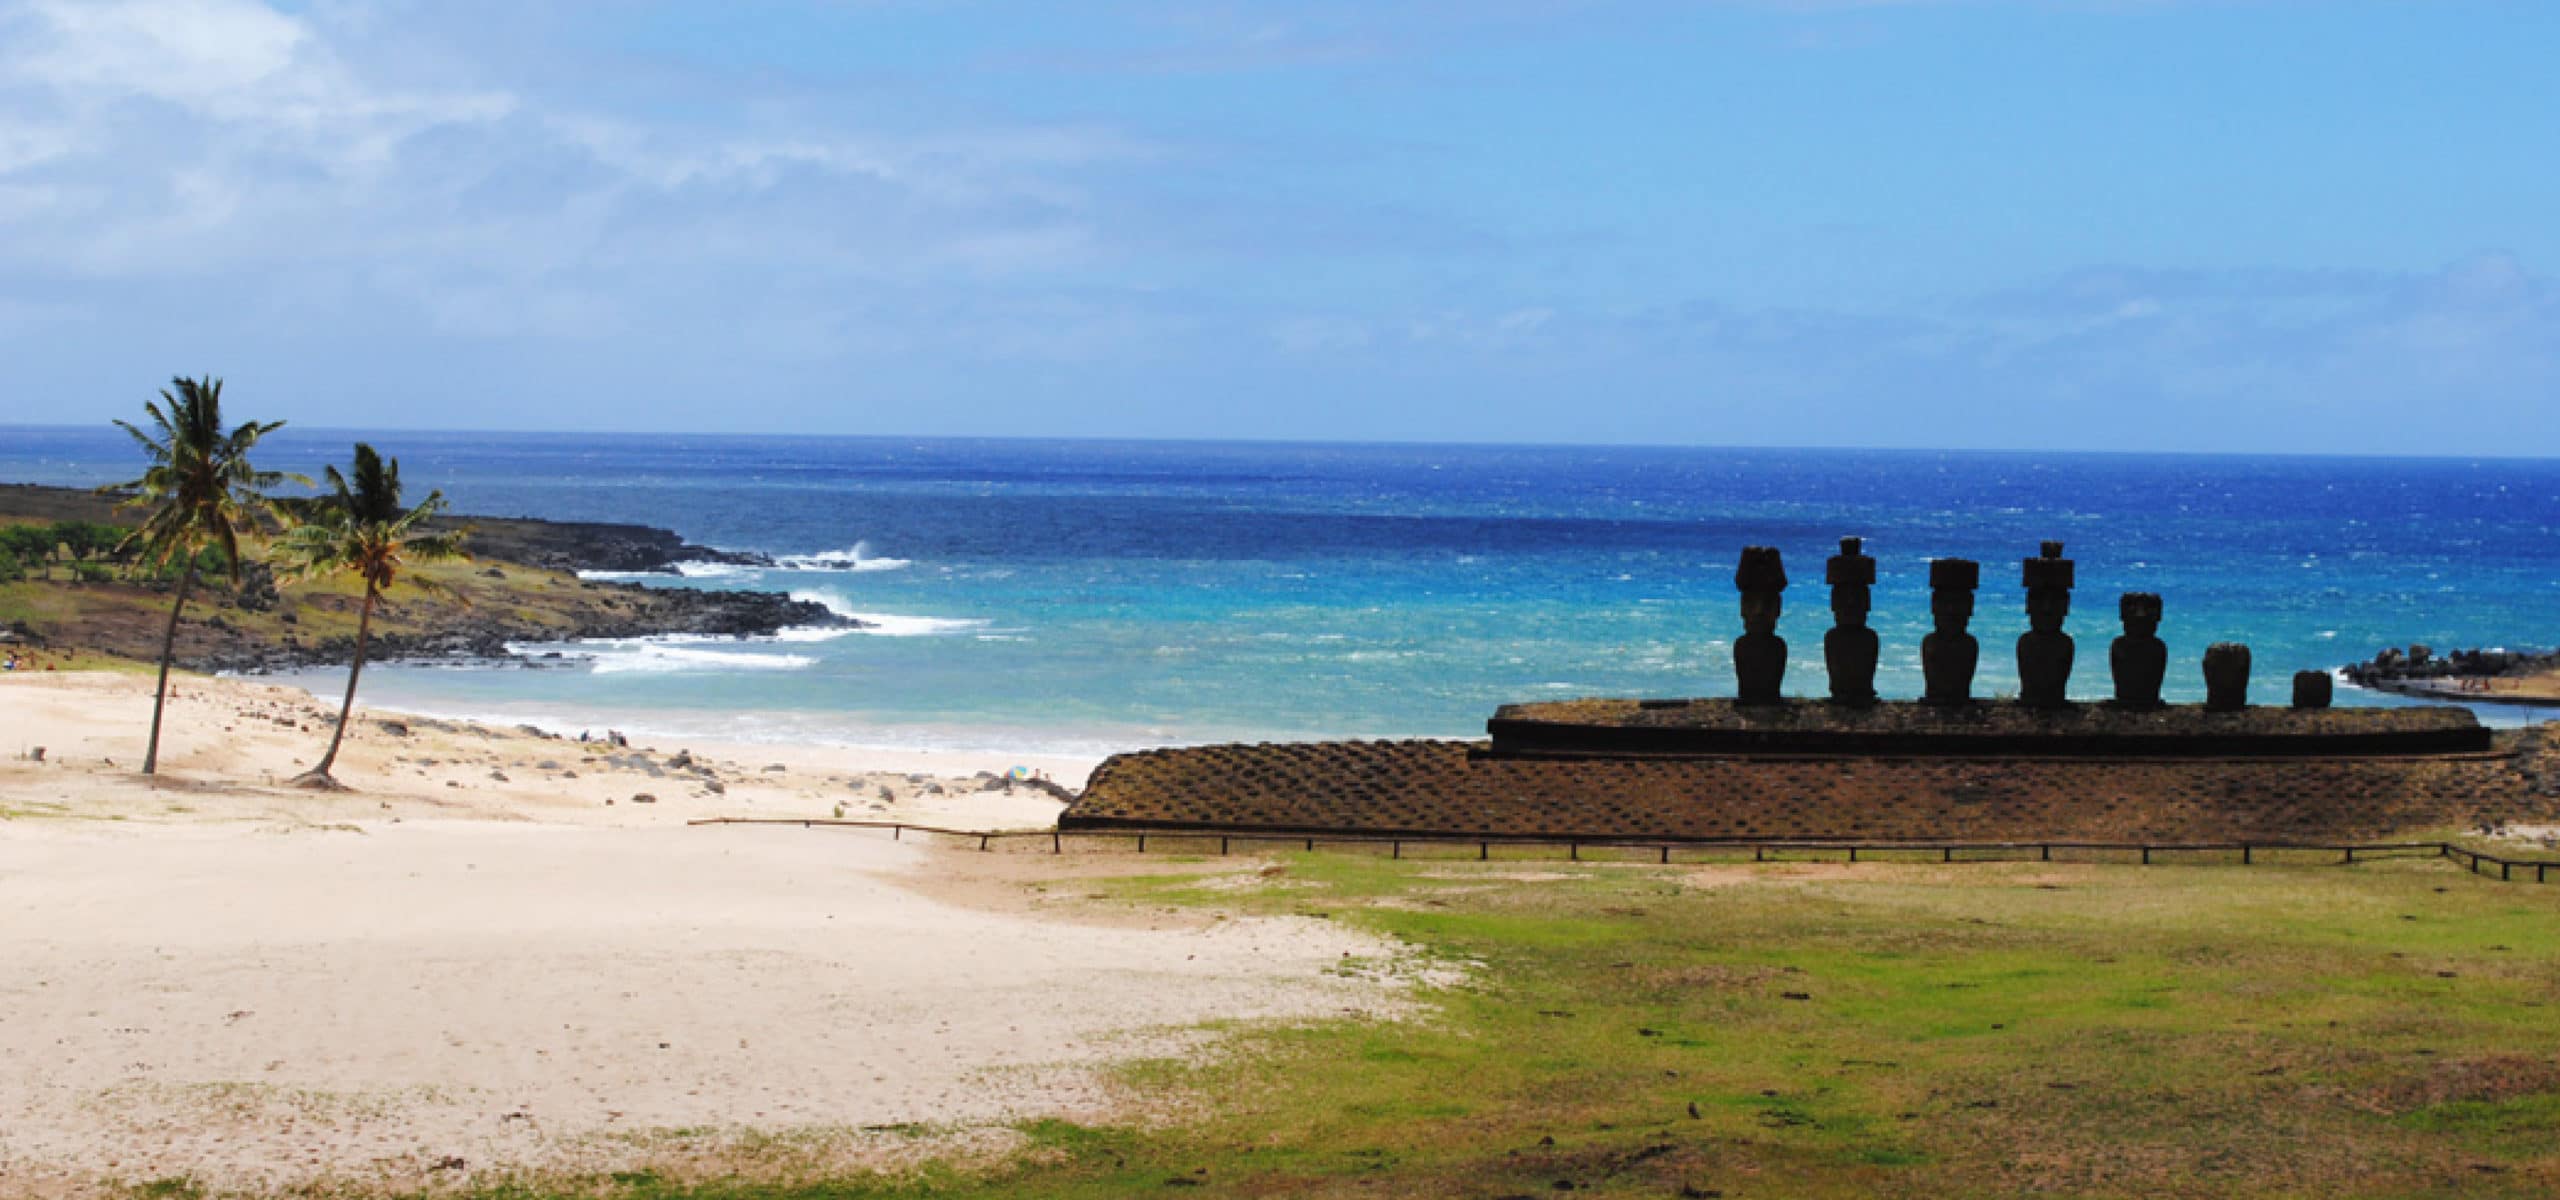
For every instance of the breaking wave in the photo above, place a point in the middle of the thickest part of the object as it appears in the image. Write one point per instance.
(858, 557)
(660, 658)
(876, 624)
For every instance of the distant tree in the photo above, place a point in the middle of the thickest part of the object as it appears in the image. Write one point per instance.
(360, 528)
(200, 493)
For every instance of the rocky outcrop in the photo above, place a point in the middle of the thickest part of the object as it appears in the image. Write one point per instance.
(591, 545)
(479, 633)
(514, 593)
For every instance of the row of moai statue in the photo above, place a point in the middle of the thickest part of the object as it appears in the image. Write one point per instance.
(2139, 659)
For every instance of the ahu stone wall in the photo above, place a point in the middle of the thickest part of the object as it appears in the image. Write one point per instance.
(1443, 787)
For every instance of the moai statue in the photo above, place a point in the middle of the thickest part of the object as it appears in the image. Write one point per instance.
(1759, 655)
(1948, 655)
(2139, 658)
(2226, 677)
(2312, 689)
(1849, 650)
(2044, 650)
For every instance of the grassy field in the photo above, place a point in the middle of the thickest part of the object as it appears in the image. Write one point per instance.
(1816, 1030)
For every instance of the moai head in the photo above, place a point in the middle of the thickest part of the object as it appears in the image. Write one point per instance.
(1761, 577)
(1951, 584)
(2048, 581)
(2226, 677)
(2312, 689)
(2141, 613)
(1852, 576)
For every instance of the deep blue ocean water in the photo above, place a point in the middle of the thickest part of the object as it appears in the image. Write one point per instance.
(1075, 596)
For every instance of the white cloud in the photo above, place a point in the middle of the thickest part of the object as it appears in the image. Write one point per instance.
(332, 159)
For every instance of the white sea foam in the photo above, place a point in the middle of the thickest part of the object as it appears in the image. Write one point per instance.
(897, 625)
(811, 633)
(711, 570)
(878, 624)
(659, 658)
(857, 557)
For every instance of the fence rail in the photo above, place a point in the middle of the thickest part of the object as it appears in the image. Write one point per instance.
(2250, 852)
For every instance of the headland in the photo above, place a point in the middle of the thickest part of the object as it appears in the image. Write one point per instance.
(522, 585)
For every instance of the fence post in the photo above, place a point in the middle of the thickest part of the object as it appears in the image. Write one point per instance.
(897, 833)
(1222, 847)
(2503, 867)
(1949, 855)
(1573, 850)
(1311, 845)
(1483, 851)
(982, 840)
(1395, 849)
(1057, 842)
(1666, 855)
(1853, 854)
(2245, 858)
(1759, 854)
(2351, 854)
(1142, 843)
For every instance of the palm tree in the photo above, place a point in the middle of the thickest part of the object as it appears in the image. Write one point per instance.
(361, 528)
(201, 494)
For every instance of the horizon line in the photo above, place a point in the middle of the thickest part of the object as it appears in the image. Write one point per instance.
(1405, 443)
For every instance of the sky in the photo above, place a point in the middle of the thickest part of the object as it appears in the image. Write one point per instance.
(2313, 226)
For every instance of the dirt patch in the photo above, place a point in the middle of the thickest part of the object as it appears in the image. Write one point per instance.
(2476, 1081)
(1702, 977)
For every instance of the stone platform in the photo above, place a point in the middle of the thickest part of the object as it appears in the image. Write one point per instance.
(1476, 789)
(1811, 728)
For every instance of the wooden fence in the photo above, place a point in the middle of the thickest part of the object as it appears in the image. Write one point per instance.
(1662, 849)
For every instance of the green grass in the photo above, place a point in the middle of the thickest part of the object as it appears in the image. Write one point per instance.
(1887, 1030)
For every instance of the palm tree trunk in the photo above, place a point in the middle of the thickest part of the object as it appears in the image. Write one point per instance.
(364, 631)
(168, 648)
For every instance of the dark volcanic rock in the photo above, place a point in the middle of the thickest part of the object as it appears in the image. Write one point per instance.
(590, 545)
(478, 634)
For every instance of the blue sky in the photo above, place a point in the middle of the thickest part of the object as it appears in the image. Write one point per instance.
(2131, 224)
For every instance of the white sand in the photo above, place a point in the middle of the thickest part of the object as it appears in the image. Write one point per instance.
(246, 739)
(274, 988)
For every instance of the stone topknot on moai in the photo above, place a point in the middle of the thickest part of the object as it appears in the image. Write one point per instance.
(2044, 651)
(1849, 650)
(2313, 689)
(1948, 654)
(2226, 677)
(2139, 658)
(1759, 655)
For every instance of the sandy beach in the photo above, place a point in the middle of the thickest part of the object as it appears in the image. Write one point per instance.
(487, 959)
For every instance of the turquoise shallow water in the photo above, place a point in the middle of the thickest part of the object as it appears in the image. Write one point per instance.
(1084, 596)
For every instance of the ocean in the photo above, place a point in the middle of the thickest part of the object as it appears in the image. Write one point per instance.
(1076, 597)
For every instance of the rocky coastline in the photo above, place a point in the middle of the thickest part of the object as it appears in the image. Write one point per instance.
(2468, 675)
(522, 586)
(471, 635)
